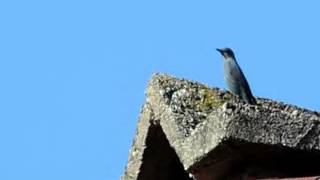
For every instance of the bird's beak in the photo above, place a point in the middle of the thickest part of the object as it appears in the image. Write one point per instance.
(219, 50)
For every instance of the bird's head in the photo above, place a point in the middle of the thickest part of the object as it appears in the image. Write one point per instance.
(226, 52)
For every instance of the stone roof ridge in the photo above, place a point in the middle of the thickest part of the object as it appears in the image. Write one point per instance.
(196, 121)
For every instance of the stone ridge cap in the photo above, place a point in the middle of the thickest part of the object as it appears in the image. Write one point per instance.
(197, 118)
(157, 76)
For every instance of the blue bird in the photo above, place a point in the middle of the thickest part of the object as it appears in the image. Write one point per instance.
(234, 77)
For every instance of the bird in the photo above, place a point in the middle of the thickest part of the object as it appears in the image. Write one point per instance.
(236, 81)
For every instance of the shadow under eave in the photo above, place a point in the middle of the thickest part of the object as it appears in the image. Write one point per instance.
(160, 161)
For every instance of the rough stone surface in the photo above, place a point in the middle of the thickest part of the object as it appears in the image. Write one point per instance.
(200, 122)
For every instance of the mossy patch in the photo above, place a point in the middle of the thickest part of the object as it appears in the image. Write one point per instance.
(211, 99)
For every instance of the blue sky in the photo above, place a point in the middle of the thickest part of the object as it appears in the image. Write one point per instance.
(73, 73)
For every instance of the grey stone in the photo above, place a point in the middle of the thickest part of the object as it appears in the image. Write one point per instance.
(187, 127)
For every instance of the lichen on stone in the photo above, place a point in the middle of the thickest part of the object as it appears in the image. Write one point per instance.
(211, 99)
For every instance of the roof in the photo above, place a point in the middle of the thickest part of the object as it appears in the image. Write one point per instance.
(189, 130)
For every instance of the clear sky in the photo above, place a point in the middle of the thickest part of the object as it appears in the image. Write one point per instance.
(73, 73)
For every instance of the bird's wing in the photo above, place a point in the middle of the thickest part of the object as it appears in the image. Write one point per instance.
(245, 89)
(239, 82)
(233, 72)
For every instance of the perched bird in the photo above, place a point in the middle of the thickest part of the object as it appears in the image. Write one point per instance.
(234, 77)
